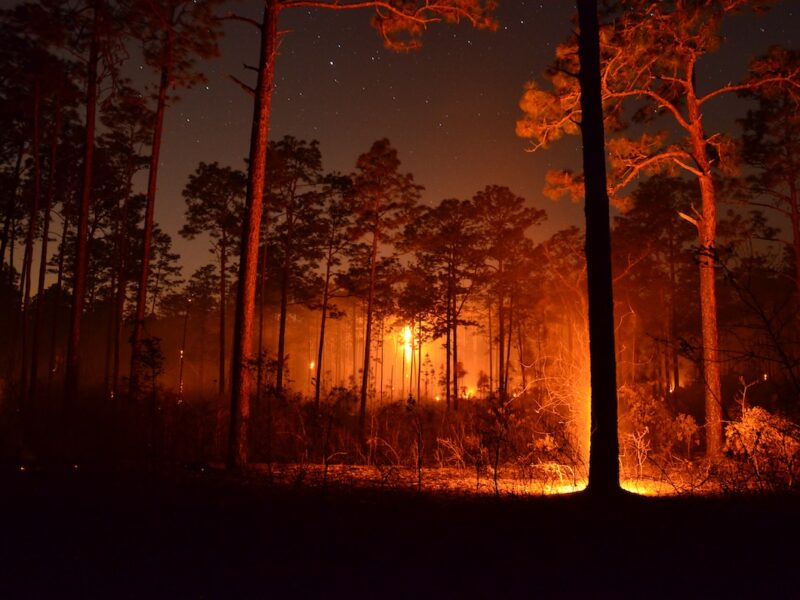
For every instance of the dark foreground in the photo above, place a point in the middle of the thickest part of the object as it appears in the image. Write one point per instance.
(78, 534)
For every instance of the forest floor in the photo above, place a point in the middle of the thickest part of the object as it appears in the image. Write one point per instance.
(206, 534)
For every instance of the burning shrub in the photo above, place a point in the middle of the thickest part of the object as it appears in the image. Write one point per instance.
(767, 445)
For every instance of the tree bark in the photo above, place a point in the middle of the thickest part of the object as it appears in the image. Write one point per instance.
(238, 454)
(707, 237)
(604, 451)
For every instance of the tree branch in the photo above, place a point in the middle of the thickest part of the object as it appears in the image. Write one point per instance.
(242, 85)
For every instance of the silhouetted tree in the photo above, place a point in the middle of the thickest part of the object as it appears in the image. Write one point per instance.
(401, 27)
(385, 200)
(335, 228)
(294, 175)
(214, 201)
(771, 145)
(174, 34)
(649, 58)
(503, 219)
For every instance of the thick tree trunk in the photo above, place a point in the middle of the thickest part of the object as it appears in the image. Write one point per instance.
(147, 234)
(708, 314)
(238, 454)
(604, 452)
(81, 239)
(707, 238)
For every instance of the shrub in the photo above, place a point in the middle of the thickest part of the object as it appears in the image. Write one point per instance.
(766, 445)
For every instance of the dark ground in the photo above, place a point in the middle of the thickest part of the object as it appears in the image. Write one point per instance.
(85, 535)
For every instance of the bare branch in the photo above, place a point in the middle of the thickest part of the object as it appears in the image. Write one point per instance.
(235, 17)
(691, 220)
(792, 82)
(242, 85)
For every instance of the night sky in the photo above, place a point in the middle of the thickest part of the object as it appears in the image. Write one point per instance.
(449, 108)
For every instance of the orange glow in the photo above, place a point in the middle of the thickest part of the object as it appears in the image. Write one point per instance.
(645, 487)
(408, 339)
(312, 364)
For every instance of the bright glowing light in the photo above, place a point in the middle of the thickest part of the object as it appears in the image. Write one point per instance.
(408, 339)
(437, 398)
(647, 487)
(312, 364)
(765, 377)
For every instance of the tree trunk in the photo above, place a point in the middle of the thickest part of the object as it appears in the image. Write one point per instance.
(147, 237)
(81, 240)
(419, 358)
(362, 410)
(262, 290)
(448, 345)
(708, 314)
(51, 191)
(455, 351)
(51, 364)
(122, 287)
(509, 337)
(520, 353)
(604, 452)
(248, 263)
(501, 385)
(282, 323)
(223, 302)
(491, 353)
(707, 236)
(33, 222)
(321, 347)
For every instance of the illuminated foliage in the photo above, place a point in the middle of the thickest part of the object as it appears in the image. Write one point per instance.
(649, 71)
